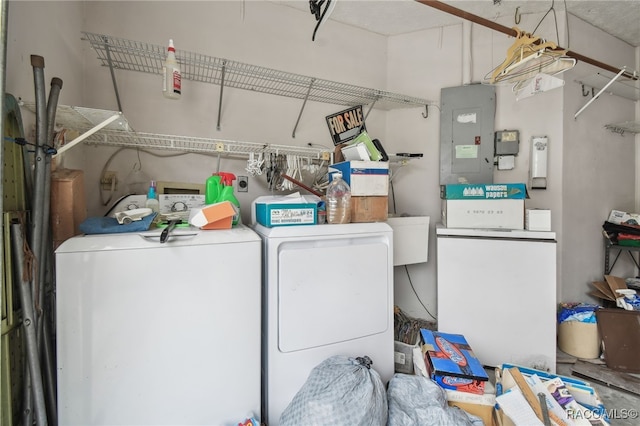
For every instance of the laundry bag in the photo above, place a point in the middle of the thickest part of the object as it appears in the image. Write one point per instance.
(341, 390)
(417, 400)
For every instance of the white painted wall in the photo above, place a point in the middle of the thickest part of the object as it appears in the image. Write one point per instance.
(598, 166)
(591, 170)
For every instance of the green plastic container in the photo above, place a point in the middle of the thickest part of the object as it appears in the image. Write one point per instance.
(213, 188)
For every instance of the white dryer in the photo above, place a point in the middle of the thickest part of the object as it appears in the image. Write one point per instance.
(327, 290)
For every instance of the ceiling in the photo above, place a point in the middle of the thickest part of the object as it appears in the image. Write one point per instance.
(620, 18)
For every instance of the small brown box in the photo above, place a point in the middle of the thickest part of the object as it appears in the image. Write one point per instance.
(68, 206)
(369, 209)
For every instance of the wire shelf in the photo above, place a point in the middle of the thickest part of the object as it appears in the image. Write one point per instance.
(623, 87)
(117, 132)
(132, 55)
(197, 144)
(626, 126)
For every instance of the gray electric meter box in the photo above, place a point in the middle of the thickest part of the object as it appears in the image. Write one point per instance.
(507, 142)
(467, 134)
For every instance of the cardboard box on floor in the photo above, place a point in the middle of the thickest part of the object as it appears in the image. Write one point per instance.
(477, 405)
(580, 399)
(68, 206)
(606, 290)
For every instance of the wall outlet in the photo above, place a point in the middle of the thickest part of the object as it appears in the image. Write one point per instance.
(243, 184)
(219, 147)
(109, 180)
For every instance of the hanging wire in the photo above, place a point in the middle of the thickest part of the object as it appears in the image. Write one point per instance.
(416, 293)
(555, 19)
(566, 18)
(316, 10)
(406, 329)
(393, 197)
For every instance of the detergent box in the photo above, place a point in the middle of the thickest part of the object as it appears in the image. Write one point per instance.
(451, 362)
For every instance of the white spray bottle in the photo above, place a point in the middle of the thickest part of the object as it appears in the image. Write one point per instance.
(171, 75)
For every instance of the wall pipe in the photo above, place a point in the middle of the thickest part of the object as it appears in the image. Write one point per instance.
(466, 53)
(511, 32)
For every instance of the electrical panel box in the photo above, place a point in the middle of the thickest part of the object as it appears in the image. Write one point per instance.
(467, 134)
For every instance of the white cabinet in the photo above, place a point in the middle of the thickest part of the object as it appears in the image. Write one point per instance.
(498, 289)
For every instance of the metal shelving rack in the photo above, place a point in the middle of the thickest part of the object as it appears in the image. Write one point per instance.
(201, 145)
(104, 127)
(119, 53)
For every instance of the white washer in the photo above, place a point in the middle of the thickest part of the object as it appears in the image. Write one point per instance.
(327, 290)
(159, 334)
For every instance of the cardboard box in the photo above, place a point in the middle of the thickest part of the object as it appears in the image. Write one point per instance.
(68, 206)
(537, 220)
(483, 191)
(450, 355)
(292, 209)
(270, 215)
(478, 405)
(483, 214)
(369, 209)
(213, 216)
(485, 412)
(582, 391)
(365, 178)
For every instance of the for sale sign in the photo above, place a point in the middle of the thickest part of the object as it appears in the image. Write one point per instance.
(346, 125)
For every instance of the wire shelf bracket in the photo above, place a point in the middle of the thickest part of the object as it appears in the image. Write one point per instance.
(604, 88)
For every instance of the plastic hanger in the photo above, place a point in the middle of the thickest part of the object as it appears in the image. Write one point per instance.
(529, 55)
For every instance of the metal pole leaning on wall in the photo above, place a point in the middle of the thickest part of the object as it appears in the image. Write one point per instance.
(28, 323)
(3, 63)
(46, 259)
(34, 234)
(40, 244)
(37, 203)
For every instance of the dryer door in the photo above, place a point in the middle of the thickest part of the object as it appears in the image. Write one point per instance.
(333, 290)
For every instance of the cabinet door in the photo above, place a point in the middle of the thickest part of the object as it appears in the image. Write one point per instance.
(501, 295)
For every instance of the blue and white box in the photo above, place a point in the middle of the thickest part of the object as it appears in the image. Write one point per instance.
(286, 210)
(484, 191)
(365, 178)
